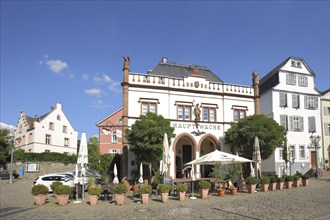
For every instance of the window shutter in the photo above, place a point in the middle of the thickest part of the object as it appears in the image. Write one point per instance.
(291, 122)
(283, 121)
(311, 124)
(316, 102)
(287, 78)
(295, 100)
(301, 121)
(326, 128)
(283, 99)
(306, 105)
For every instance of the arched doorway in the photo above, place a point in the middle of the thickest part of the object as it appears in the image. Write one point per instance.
(207, 145)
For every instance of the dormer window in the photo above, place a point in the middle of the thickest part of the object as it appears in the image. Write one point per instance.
(295, 63)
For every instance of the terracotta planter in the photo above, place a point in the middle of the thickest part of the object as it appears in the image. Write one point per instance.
(296, 183)
(203, 193)
(288, 184)
(120, 199)
(264, 187)
(272, 186)
(251, 188)
(164, 197)
(233, 191)
(145, 198)
(280, 185)
(305, 182)
(181, 196)
(40, 199)
(93, 200)
(62, 199)
(221, 192)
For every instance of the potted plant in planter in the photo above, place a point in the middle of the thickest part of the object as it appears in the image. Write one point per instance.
(39, 193)
(62, 194)
(296, 181)
(204, 187)
(120, 189)
(264, 183)
(94, 193)
(55, 185)
(300, 176)
(164, 190)
(219, 173)
(144, 191)
(280, 183)
(233, 174)
(288, 182)
(305, 179)
(251, 183)
(272, 183)
(181, 188)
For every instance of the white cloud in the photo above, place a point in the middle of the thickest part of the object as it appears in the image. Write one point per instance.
(85, 76)
(94, 91)
(3, 125)
(56, 66)
(99, 104)
(112, 84)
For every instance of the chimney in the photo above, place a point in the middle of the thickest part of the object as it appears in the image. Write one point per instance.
(164, 60)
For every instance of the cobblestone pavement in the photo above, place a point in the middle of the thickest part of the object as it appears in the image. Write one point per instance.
(311, 202)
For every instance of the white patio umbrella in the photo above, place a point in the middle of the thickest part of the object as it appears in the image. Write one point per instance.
(256, 156)
(161, 166)
(252, 173)
(286, 157)
(115, 172)
(83, 158)
(165, 154)
(141, 173)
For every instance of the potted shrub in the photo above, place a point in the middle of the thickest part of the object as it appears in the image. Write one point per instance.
(280, 183)
(144, 191)
(251, 183)
(55, 185)
(204, 187)
(182, 189)
(94, 193)
(288, 182)
(120, 189)
(296, 181)
(219, 173)
(264, 183)
(39, 193)
(62, 194)
(272, 183)
(164, 190)
(233, 174)
(305, 179)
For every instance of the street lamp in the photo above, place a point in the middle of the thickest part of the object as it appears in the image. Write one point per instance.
(315, 142)
(11, 138)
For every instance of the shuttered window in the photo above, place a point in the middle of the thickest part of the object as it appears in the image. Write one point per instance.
(311, 102)
(296, 123)
(326, 128)
(283, 99)
(291, 79)
(311, 124)
(302, 81)
(295, 101)
(284, 121)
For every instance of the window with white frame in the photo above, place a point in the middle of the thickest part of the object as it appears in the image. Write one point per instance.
(302, 152)
(184, 112)
(58, 117)
(51, 126)
(311, 124)
(114, 137)
(284, 121)
(311, 102)
(48, 139)
(303, 81)
(326, 110)
(296, 123)
(148, 107)
(295, 100)
(113, 151)
(239, 114)
(283, 99)
(291, 79)
(280, 151)
(292, 151)
(66, 142)
(208, 113)
(65, 129)
(326, 128)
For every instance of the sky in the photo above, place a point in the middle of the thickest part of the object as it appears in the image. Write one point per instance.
(71, 52)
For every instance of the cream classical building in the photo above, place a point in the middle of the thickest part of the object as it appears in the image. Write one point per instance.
(51, 132)
(198, 103)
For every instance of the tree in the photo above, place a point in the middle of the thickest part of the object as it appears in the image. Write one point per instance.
(269, 132)
(146, 138)
(93, 153)
(4, 144)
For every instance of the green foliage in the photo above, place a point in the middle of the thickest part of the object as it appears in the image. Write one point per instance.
(269, 132)
(234, 172)
(105, 163)
(203, 184)
(55, 185)
(273, 179)
(158, 177)
(280, 179)
(296, 177)
(4, 144)
(93, 153)
(39, 189)
(289, 178)
(146, 136)
(305, 176)
(105, 178)
(182, 187)
(219, 172)
(298, 174)
(20, 155)
(62, 190)
(165, 188)
(91, 181)
(94, 191)
(145, 189)
(120, 188)
(264, 180)
(251, 180)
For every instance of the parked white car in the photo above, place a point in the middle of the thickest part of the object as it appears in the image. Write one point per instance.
(48, 179)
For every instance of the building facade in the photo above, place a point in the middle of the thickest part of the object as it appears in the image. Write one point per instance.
(325, 117)
(288, 95)
(199, 105)
(51, 132)
(110, 133)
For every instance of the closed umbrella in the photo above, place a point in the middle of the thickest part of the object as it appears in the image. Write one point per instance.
(115, 172)
(141, 174)
(252, 173)
(165, 154)
(83, 158)
(256, 156)
(286, 157)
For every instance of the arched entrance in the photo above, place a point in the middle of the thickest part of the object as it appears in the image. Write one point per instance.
(206, 145)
